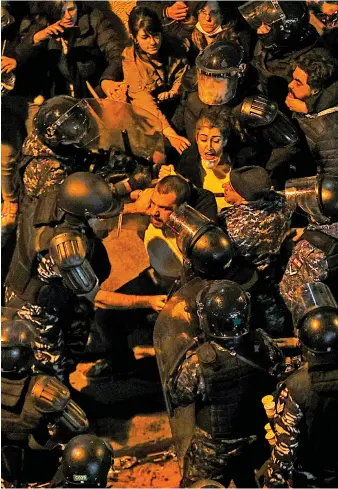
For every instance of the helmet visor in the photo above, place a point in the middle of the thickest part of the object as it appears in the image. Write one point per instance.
(75, 126)
(256, 13)
(315, 295)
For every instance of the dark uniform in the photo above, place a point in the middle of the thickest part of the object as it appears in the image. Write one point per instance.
(226, 390)
(221, 367)
(37, 413)
(314, 258)
(52, 279)
(305, 419)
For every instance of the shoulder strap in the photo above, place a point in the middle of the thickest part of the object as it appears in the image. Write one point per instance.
(327, 244)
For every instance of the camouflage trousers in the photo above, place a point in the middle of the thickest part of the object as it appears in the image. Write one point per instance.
(59, 339)
(219, 460)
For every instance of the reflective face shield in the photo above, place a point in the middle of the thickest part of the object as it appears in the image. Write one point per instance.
(256, 13)
(316, 195)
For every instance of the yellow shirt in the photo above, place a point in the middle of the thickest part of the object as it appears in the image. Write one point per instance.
(164, 255)
(214, 184)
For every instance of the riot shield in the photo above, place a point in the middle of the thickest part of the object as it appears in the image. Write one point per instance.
(123, 126)
(175, 333)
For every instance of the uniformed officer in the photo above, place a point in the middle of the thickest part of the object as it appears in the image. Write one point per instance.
(216, 362)
(37, 413)
(305, 420)
(57, 266)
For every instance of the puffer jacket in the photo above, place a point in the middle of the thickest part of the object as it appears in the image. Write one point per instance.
(320, 127)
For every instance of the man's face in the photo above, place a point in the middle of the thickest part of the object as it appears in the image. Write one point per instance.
(210, 143)
(230, 194)
(210, 17)
(69, 14)
(299, 87)
(149, 43)
(161, 206)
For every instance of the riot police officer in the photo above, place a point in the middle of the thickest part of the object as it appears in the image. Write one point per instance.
(37, 413)
(207, 355)
(57, 266)
(259, 131)
(86, 461)
(305, 420)
(314, 257)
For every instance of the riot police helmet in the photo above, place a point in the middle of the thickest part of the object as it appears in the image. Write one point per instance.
(86, 461)
(223, 308)
(86, 195)
(17, 341)
(317, 319)
(219, 67)
(208, 248)
(63, 120)
(288, 22)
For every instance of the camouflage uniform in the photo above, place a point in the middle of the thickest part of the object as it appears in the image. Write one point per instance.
(258, 229)
(45, 169)
(304, 422)
(58, 336)
(209, 457)
(307, 264)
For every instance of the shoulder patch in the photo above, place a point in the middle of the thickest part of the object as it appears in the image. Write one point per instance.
(206, 353)
(283, 395)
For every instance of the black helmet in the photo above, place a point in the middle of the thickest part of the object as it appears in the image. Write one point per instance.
(64, 120)
(317, 318)
(86, 461)
(207, 247)
(317, 196)
(17, 341)
(223, 308)
(288, 21)
(212, 253)
(219, 67)
(86, 195)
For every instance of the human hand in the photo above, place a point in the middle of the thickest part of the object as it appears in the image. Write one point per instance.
(142, 204)
(113, 90)
(7, 64)
(166, 170)
(296, 105)
(177, 11)
(263, 29)
(157, 302)
(166, 95)
(49, 31)
(178, 142)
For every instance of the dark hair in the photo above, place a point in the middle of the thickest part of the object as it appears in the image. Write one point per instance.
(215, 117)
(144, 18)
(176, 184)
(52, 10)
(320, 68)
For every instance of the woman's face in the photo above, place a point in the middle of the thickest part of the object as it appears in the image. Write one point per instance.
(210, 17)
(210, 143)
(149, 43)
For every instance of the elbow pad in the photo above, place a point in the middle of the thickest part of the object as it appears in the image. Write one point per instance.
(258, 111)
(68, 251)
(73, 418)
(50, 395)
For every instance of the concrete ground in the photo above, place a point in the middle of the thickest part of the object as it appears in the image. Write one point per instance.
(130, 413)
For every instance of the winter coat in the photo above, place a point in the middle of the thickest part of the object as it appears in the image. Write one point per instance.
(95, 55)
(145, 82)
(320, 127)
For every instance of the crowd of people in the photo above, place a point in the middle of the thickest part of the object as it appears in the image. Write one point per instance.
(214, 125)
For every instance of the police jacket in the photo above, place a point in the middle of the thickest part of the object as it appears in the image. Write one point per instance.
(320, 127)
(305, 422)
(233, 385)
(40, 222)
